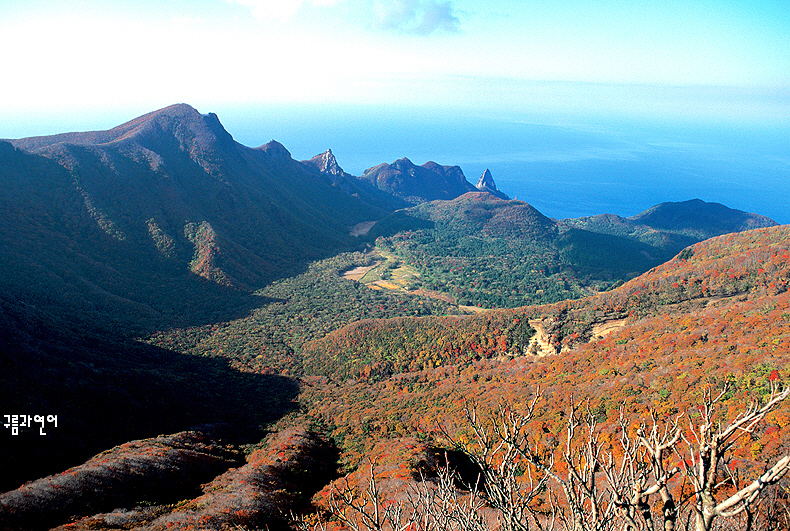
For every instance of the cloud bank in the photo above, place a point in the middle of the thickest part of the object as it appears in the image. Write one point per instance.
(279, 10)
(420, 17)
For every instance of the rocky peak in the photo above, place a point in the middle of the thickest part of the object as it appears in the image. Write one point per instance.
(485, 181)
(327, 163)
(486, 184)
(275, 150)
(195, 132)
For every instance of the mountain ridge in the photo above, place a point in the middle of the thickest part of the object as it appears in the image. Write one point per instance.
(703, 219)
(326, 165)
(188, 118)
(156, 174)
(672, 225)
(417, 184)
(489, 252)
(167, 226)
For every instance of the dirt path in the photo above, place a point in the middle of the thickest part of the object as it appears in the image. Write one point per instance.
(398, 279)
(358, 272)
(607, 327)
(362, 229)
(539, 344)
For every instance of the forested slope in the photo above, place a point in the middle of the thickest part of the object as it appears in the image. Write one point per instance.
(493, 253)
(718, 314)
(726, 266)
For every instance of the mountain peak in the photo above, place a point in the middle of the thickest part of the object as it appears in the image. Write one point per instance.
(194, 131)
(703, 219)
(486, 184)
(326, 163)
(486, 180)
(417, 184)
(275, 150)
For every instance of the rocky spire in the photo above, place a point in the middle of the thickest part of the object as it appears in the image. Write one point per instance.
(486, 184)
(327, 163)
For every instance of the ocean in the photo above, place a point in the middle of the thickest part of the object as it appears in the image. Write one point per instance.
(565, 167)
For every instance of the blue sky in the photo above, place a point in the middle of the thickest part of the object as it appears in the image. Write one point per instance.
(106, 59)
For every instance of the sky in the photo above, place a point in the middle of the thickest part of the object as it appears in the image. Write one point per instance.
(87, 64)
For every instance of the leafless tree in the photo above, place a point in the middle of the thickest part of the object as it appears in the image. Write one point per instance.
(643, 472)
(708, 444)
(497, 450)
(432, 505)
(599, 487)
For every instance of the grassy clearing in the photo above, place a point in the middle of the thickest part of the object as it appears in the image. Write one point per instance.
(391, 273)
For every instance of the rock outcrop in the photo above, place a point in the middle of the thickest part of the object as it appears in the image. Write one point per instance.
(486, 184)
(417, 184)
(326, 163)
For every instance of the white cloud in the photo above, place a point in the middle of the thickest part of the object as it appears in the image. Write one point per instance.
(438, 16)
(421, 17)
(279, 10)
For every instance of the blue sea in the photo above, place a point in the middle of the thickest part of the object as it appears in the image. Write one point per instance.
(565, 167)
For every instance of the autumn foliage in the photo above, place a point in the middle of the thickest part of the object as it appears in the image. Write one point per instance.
(158, 470)
(160, 277)
(671, 344)
(156, 484)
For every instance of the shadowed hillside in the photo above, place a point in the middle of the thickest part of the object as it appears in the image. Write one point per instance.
(489, 252)
(416, 184)
(109, 236)
(181, 481)
(159, 277)
(106, 391)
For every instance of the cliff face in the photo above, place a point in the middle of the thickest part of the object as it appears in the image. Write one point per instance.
(486, 184)
(326, 163)
(418, 184)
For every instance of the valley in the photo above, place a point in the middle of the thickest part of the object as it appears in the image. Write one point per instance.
(265, 329)
(388, 273)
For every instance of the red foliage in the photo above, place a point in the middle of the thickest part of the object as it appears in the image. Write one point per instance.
(159, 467)
(257, 493)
